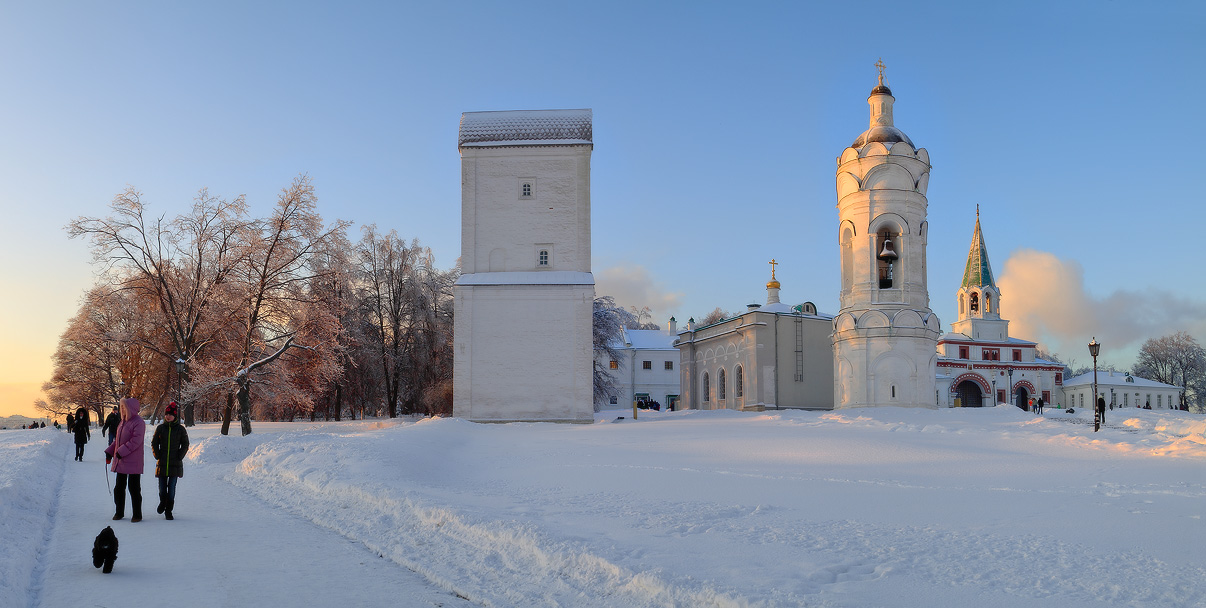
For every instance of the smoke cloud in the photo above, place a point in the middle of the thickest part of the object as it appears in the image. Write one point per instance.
(1045, 300)
(633, 286)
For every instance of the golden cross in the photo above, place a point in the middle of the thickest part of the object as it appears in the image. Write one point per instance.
(773, 263)
(880, 66)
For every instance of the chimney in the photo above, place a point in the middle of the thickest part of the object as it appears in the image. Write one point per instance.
(751, 307)
(691, 324)
(672, 326)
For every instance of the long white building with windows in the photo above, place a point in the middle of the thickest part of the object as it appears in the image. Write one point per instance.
(1120, 390)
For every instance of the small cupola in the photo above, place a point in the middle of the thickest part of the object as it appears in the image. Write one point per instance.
(772, 286)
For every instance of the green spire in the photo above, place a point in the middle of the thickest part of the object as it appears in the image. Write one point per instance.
(978, 272)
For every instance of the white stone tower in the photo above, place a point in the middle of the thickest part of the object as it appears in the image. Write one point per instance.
(979, 297)
(524, 302)
(885, 336)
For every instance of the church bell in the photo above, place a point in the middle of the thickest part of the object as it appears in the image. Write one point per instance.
(888, 254)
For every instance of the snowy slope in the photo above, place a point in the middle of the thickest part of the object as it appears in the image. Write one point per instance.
(892, 507)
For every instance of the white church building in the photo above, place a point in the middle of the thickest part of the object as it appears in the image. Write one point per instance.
(523, 349)
(772, 356)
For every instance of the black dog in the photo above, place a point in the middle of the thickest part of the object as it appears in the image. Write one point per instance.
(104, 550)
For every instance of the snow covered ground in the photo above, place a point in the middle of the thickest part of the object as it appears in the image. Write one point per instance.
(888, 507)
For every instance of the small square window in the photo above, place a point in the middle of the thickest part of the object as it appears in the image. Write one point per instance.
(614, 399)
(527, 188)
(615, 365)
(669, 365)
(542, 258)
(646, 364)
(963, 352)
(1017, 354)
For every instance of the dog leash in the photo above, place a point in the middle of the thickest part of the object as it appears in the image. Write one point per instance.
(107, 480)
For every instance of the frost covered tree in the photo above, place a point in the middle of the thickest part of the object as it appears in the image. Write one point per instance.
(407, 305)
(608, 330)
(718, 314)
(276, 308)
(1177, 359)
(182, 266)
(642, 318)
(95, 353)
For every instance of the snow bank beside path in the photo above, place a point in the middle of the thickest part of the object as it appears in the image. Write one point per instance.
(341, 481)
(31, 474)
(860, 507)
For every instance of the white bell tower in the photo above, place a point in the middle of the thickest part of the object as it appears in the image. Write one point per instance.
(885, 336)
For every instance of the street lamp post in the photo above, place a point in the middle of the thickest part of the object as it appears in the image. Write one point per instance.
(1011, 395)
(1094, 348)
(994, 390)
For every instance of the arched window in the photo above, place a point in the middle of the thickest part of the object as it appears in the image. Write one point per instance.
(974, 303)
(526, 190)
(543, 258)
(720, 388)
(707, 388)
(987, 303)
(886, 256)
(847, 259)
(962, 310)
(738, 382)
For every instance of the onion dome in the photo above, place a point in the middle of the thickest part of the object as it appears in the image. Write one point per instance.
(881, 128)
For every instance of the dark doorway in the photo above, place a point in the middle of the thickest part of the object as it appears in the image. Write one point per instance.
(969, 394)
(1022, 398)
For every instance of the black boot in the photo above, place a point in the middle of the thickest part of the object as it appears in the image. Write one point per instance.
(167, 512)
(162, 500)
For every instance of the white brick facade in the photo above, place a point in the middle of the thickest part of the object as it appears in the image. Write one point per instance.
(522, 330)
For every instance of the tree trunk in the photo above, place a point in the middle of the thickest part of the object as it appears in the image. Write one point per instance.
(338, 400)
(226, 413)
(244, 397)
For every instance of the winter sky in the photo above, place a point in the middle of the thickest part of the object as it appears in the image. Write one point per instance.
(716, 125)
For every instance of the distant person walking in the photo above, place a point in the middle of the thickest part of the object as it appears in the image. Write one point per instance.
(126, 457)
(111, 422)
(70, 423)
(82, 433)
(169, 446)
(1101, 409)
(1039, 404)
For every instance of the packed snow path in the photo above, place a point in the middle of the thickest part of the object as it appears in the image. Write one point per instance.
(224, 548)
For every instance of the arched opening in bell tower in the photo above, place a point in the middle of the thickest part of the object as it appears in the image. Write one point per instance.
(886, 258)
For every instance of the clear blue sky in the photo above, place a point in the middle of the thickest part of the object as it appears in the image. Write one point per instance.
(1075, 127)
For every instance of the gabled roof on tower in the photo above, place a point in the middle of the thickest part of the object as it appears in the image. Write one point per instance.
(978, 272)
(526, 128)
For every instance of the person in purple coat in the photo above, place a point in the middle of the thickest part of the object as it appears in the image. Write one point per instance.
(125, 454)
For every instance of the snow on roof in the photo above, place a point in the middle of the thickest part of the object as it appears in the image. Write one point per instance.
(649, 339)
(526, 128)
(1115, 379)
(551, 277)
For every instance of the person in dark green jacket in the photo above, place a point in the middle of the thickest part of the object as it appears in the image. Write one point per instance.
(169, 445)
